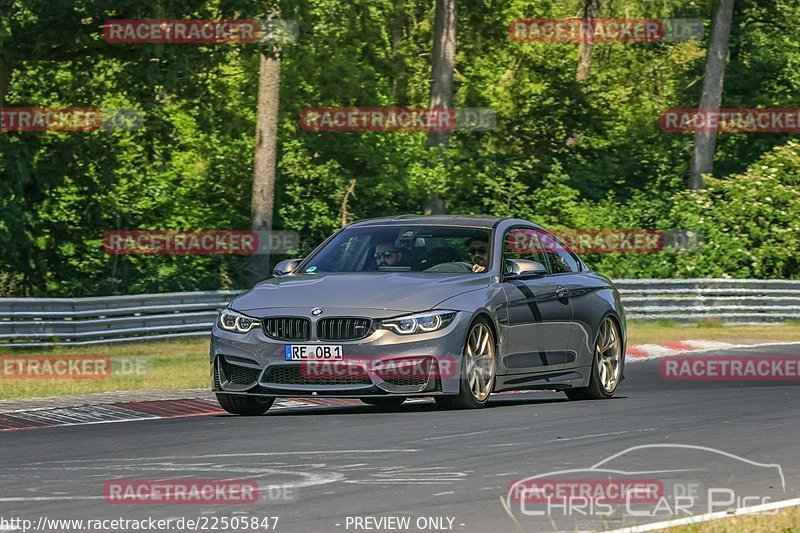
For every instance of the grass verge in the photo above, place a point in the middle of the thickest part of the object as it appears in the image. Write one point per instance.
(662, 331)
(184, 364)
(785, 520)
(135, 366)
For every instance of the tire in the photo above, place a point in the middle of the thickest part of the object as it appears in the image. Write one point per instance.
(607, 363)
(477, 368)
(244, 405)
(390, 403)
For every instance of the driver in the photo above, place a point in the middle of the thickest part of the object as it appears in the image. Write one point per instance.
(478, 250)
(386, 254)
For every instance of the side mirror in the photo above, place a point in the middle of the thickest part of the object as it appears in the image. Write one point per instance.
(524, 269)
(286, 267)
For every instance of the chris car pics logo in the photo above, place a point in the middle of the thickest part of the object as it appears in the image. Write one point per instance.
(647, 482)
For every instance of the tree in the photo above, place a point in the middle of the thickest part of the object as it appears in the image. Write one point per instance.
(713, 79)
(590, 10)
(443, 63)
(266, 153)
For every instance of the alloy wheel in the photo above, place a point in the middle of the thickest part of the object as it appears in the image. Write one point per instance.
(479, 356)
(608, 351)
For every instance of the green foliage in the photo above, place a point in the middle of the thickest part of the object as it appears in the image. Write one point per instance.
(750, 221)
(564, 154)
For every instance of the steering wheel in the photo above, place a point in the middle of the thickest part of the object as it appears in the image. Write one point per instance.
(454, 267)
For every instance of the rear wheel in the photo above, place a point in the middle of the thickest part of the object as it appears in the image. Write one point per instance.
(389, 403)
(244, 405)
(606, 365)
(478, 370)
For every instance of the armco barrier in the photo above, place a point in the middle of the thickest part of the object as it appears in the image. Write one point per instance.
(38, 322)
(726, 299)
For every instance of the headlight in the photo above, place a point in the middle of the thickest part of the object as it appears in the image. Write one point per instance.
(232, 321)
(420, 323)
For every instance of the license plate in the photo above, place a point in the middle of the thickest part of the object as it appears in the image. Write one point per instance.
(313, 352)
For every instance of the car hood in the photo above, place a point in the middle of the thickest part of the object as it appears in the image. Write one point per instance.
(396, 291)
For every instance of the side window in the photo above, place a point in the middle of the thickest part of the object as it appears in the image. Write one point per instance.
(559, 256)
(522, 243)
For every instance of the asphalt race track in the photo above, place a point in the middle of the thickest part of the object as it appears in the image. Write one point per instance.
(452, 467)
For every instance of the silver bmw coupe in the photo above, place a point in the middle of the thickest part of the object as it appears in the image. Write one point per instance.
(450, 307)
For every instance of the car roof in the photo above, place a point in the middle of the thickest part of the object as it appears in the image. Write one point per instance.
(487, 222)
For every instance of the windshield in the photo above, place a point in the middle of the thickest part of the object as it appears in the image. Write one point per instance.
(404, 249)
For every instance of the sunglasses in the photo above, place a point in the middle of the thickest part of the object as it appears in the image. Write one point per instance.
(387, 254)
(481, 250)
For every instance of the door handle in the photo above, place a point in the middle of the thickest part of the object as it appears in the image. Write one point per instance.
(562, 292)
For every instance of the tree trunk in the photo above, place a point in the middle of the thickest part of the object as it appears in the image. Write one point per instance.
(263, 199)
(397, 33)
(590, 10)
(705, 141)
(350, 191)
(443, 63)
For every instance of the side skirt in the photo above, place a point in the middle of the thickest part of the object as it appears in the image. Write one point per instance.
(557, 380)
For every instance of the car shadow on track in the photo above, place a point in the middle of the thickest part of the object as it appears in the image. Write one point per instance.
(515, 401)
(405, 409)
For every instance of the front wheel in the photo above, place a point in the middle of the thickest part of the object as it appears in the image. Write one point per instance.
(477, 381)
(244, 405)
(607, 365)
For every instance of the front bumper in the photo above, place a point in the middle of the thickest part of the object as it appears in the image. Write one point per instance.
(382, 364)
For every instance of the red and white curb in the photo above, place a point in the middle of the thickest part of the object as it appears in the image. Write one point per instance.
(104, 414)
(154, 410)
(131, 411)
(640, 352)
